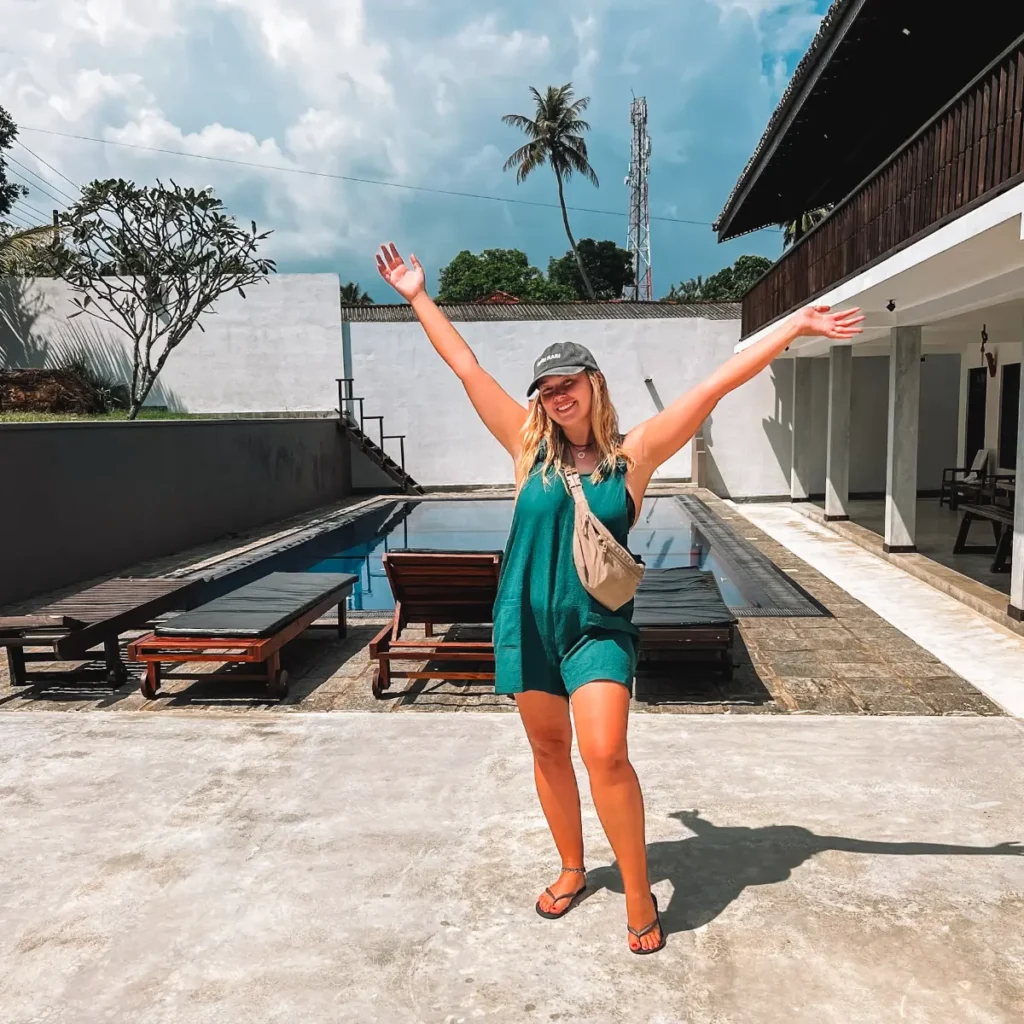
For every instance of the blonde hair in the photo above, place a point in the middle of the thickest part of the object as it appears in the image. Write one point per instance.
(541, 432)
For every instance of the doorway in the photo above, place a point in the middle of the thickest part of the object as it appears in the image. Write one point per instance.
(974, 438)
(1009, 410)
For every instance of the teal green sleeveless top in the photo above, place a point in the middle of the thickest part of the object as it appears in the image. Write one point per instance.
(541, 605)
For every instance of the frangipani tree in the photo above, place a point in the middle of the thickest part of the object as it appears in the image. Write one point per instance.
(151, 262)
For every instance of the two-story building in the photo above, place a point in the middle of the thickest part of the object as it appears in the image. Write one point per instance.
(908, 127)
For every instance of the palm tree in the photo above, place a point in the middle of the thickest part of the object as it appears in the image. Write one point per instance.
(353, 295)
(556, 138)
(794, 230)
(17, 246)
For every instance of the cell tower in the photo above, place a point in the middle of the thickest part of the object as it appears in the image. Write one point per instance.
(639, 240)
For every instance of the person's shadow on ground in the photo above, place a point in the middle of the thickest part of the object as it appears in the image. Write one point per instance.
(711, 868)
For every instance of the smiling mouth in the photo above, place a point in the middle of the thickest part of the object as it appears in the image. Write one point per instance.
(562, 409)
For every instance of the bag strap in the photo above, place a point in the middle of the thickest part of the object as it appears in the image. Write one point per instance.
(572, 478)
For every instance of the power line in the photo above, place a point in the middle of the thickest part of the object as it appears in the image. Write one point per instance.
(32, 208)
(25, 180)
(39, 177)
(52, 168)
(359, 181)
(16, 218)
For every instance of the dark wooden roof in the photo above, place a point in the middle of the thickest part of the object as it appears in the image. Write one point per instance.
(466, 312)
(875, 73)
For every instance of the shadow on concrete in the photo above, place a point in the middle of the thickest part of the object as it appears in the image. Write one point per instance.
(711, 868)
(698, 683)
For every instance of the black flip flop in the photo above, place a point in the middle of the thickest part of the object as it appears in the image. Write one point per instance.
(656, 923)
(572, 897)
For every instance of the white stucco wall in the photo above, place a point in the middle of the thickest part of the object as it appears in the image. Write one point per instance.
(277, 350)
(398, 373)
(869, 398)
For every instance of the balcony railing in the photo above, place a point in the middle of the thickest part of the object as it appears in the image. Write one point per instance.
(972, 150)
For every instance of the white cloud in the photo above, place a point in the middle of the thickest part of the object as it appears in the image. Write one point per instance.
(386, 89)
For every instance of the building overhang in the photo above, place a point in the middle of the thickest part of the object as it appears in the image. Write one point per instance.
(876, 71)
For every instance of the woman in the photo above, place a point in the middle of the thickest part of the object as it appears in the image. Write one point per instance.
(554, 645)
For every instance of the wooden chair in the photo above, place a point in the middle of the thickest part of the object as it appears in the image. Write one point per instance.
(248, 626)
(452, 588)
(966, 483)
(69, 629)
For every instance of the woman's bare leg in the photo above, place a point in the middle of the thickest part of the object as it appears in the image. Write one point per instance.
(601, 713)
(549, 730)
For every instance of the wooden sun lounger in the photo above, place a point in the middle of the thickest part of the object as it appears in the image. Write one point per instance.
(454, 588)
(682, 617)
(249, 626)
(69, 629)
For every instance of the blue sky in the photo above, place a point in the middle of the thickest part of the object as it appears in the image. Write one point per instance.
(408, 92)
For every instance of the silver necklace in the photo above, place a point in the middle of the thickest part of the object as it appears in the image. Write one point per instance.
(582, 449)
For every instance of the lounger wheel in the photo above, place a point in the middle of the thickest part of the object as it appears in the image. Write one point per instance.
(278, 685)
(151, 680)
(377, 686)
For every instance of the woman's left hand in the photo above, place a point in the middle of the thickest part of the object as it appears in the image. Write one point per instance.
(821, 322)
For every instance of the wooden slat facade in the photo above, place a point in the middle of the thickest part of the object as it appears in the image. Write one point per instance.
(972, 150)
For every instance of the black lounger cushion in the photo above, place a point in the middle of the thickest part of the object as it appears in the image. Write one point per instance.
(262, 608)
(684, 596)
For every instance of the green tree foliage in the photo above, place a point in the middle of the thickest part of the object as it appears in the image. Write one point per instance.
(26, 252)
(556, 138)
(151, 262)
(469, 278)
(609, 268)
(794, 230)
(730, 284)
(353, 295)
(10, 191)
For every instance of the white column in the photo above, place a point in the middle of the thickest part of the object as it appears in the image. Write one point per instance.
(961, 432)
(901, 456)
(1016, 608)
(837, 465)
(800, 472)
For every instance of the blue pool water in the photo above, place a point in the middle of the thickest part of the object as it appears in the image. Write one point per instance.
(664, 538)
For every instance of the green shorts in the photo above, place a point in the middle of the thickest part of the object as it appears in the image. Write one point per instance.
(597, 655)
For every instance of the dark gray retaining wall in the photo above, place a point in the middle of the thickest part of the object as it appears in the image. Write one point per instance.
(78, 500)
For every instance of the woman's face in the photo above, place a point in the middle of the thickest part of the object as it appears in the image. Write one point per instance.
(567, 400)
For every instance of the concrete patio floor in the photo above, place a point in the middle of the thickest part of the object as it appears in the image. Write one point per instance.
(353, 867)
(984, 653)
(937, 528)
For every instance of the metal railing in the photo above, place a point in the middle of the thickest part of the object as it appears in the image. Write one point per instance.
(347, 400)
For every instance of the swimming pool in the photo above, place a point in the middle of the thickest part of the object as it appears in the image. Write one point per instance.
(665, 537)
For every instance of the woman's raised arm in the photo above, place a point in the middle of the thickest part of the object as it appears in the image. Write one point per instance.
(656, 440)
(503, 416)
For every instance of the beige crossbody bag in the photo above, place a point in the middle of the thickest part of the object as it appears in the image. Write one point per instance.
(608, 572)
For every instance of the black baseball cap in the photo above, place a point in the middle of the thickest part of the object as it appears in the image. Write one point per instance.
(564, 358)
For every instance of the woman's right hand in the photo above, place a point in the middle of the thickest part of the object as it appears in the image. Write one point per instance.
(407, 281)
